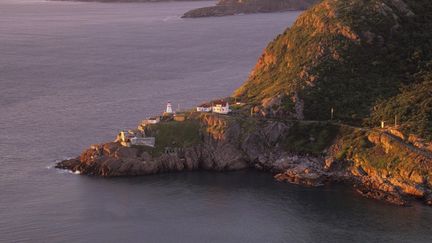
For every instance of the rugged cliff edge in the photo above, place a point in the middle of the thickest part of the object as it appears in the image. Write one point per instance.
(380, 164)
(232, 7)
(310, 109)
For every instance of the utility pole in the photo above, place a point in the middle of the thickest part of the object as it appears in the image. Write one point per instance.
(396, 121)
(332, 114)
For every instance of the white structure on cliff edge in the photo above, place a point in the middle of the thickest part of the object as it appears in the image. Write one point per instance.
(169, 109)
(204, 108)
(152, 120)
(127, 139)
(221, 107)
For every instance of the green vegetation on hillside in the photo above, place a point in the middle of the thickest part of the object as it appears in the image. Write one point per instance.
(310, 138)
(347, 55)
(174, 134)
(412, 108)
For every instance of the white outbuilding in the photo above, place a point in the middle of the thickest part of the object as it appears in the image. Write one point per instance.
(204, 108)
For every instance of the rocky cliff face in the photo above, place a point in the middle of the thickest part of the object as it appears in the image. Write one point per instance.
(224, 145)
(383, 166)
(378, 163)
(232, 7)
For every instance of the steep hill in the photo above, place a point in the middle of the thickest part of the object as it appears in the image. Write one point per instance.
(347, 55)
(231, 7)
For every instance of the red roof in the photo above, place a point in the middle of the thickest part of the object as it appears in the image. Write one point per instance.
(205, 105)
(220, 102)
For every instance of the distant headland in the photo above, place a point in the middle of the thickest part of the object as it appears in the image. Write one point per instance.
(233, 7)
(127, 1)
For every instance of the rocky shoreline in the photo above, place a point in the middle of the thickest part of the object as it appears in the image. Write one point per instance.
(228, 144)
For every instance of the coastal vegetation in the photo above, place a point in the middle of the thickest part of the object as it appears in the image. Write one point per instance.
(412, 107)
(172, 134)
(310, 138)
(345, 55)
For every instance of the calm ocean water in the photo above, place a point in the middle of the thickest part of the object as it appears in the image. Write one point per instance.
(73, 74)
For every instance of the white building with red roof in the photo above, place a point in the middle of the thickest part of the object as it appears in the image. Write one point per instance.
(221, 107)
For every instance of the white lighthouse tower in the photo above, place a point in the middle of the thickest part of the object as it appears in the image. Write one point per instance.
(169, 109)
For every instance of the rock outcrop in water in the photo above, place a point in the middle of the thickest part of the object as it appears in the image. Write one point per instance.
(232, 7)
(352, 56)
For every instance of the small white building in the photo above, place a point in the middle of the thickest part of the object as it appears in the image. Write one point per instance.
(149, 121)
(152, 120)
(127, 139)
(204, 108)
(169, 109)
(221, 107)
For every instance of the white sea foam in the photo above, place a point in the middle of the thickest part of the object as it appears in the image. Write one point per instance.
(53, 163)
(50, 166)
(62, 171)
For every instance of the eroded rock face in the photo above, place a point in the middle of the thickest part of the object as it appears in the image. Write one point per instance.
(302, 170)
(389, 169)
(224, 146)
(227, 145)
